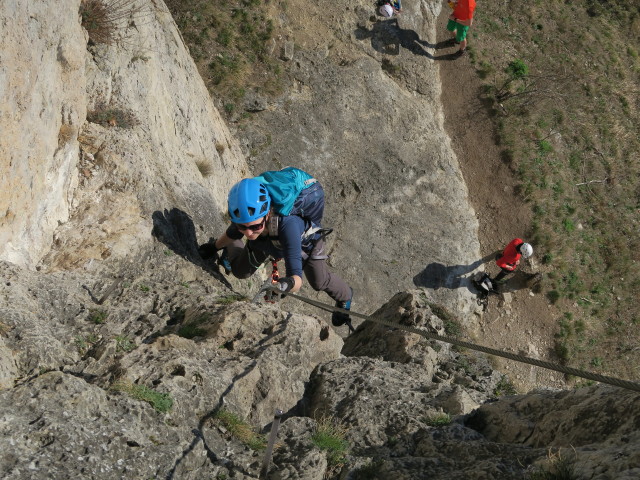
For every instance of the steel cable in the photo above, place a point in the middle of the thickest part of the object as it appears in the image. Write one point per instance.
(472, 346)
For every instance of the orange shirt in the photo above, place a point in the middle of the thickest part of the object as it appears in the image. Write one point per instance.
(464, 9)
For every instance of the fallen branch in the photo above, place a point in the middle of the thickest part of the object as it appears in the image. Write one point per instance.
(590, 301)
(593, 181)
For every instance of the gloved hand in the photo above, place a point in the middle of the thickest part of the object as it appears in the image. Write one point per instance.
(208, 250)
(285, 284)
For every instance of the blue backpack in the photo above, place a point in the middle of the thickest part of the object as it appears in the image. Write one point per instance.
(284, 186)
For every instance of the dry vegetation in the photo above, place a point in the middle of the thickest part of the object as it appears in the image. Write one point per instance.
(229, 41)
(111, 21)
(564, 77)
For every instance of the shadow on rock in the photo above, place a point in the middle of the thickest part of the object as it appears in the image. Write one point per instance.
(437, 275)
(176, 230)
(387, 37)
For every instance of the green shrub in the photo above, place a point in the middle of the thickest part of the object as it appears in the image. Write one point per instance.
(438, 420)
(553, 296)
(329, 436)
(98, 316)
(162, 402)
(229, 299)
(124, 344)
(504, 387)
(191, 331)
(240, 429)
(517, 69)
(561, 349)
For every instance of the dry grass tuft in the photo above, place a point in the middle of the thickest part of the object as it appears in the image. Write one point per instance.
(108, 116)
(110, 21)
(66, 134)
(241, 430)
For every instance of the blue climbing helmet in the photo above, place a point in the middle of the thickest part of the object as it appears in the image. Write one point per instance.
(248, 201)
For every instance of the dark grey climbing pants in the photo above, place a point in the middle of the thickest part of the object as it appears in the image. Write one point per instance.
(245, 261)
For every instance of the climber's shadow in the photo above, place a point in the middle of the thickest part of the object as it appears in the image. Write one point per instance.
(387, 37)
(177, 231)
(521, 280)
(437, 275)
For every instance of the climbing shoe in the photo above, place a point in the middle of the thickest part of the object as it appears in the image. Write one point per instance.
(340, 318)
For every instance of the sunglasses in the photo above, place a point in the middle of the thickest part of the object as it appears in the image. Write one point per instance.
(253, 228)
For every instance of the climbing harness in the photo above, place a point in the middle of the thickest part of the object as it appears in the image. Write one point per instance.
(480, 348)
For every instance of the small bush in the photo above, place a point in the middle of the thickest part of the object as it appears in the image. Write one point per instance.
(562, 350)
(557, 468)
(451, 324)
(112, 117)
(438, 419)
(108, 21)
(229, 299)
(191, 331)
(517, 69)
(329, 436)
(504, 387)
(97, 316)
(389, 67)
(124, 344)
(83, 344)
(553, 296)
(544, 147)
(192, 318)
(240, 429)
(162, 402)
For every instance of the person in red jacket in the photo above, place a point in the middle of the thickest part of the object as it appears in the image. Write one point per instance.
(459, 22)
(510, 258)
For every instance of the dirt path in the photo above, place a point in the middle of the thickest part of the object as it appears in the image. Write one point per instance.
(520, 322)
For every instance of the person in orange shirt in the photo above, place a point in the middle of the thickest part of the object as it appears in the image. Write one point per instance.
(459, 22)
(510, 258)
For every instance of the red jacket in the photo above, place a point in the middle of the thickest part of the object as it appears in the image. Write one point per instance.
(464, 9)
(510, 256)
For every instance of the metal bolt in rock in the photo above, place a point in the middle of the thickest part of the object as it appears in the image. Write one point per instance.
(272, 440)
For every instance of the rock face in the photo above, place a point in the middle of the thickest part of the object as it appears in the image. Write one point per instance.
(363, 115)
(125, 355)
(42, 85)
(164, 146)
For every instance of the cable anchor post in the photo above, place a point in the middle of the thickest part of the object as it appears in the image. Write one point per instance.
(270, 444)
